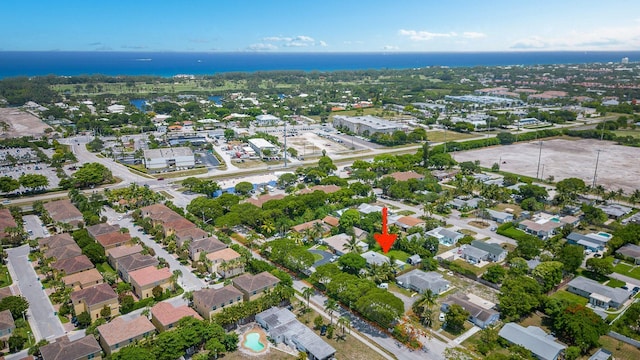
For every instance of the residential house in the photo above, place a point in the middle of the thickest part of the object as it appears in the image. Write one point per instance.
(615, 211)
(144, 280)
(338, 244)
(189, 234)
(283, 327)
(264, 198)
(495, 252)
(125, 265)
(459, 203)
(405, 175)
(209, 301)
(63, 252)
(602, 354)
(114, 239)
(55, 241)
(116, 253)
(94, 299)
(83, 279)
(499, 216)
(534, 339)
(366, 209)
(408, 222)
(6, 220)
(474, 255)
(101, 229)
(374, 258)
(85, 348)
(420, 281)
(73, 265)
(121, 332)
(445, 237)
(301, 228)
(165, 316)
(599, 295)
(206, 246)
(631, 251)
(7, 326)
(545, 225)
(414, 260)
(331, 221)
(327, 189)
(360, 235)
(226, 263)
(254, 286)
(478, 315)
(64, 211)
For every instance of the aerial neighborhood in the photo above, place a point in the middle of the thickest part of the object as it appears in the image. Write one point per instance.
(234, 216)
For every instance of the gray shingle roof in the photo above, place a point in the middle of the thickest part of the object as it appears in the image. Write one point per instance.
(373, 257)
(591, 286)
(474, 252)
(493, 249)
(533, 339)
(423, 280)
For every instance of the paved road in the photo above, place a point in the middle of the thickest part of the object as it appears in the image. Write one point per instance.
(188, 281)
(33, 223)
(326, 257)
(627, 279)
(44, 323)
(435, 347)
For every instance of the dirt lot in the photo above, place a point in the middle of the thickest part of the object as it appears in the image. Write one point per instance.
(618, 166)
(310, 144)
(20, 123)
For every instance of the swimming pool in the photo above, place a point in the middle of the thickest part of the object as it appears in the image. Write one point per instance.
(252, 341)
(604, 234)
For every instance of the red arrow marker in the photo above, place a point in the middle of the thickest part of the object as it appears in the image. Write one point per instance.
(385, 239)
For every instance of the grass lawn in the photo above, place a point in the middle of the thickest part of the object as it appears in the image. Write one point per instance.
(536, 320)
(565, 295)
(619, 349)
(105, 267)
(63, 319)
(395, 288)
(398, 254)
(467, 325)
(439, 136)
(405, 212)
(322, 247)
(468, 232)
(175, 174)
(443, 248)
(627, 270)
(350, 349)
(465, 265)
(316, 257)
(5, 278)
(166, 194)
(615, 283)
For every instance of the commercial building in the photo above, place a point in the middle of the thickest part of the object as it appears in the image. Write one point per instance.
(367, 125)
(263, 148)
(169, 159)
(267, 120)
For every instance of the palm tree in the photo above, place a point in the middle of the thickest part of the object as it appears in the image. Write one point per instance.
(344, 322)
(352, 245)
(318, 227)
(306, 294)
(423, 308)
(331, 306)
(174, 277)
(268, 228)
(428, 209)
(634, 198)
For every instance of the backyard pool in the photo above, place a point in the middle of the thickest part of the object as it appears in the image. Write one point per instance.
(604, 234)
(252, 341)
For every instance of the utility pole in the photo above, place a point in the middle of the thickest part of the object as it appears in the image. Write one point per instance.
(539, 156)
(595, 172)
(285, 144)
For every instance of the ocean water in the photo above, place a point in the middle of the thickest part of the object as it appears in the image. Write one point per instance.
(168, 64)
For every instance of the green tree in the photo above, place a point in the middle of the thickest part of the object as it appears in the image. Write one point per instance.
(105, 312)
(571, 256)
(157, 292)
(349, 219)
(519, 296)
(423, 307)
(95, 253)
(33, 181)
(8, 184)
(455, 318)
(529, 246)
(133, 353)
(325, 165)
(16, 342)
(352, 263)
(244, 188)
(84, 319)
(506, 138)
(548, 274)
(318, 321)
(533, 191)
(570, 188)
(593, 215)
(495, 273)
(579, 326)
(18, 305)
(91, 174)
(599, 266)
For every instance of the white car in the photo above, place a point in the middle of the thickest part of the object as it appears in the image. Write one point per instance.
(441, 317)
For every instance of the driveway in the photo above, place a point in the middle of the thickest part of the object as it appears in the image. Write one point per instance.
(188, 281)
(33, 223)
(44, 323)
(326, 257)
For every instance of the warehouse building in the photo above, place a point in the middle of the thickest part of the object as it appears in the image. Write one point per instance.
(169, 159)
(367, 125)
(264, 149)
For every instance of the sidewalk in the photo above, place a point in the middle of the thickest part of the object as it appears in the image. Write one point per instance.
(467, 334)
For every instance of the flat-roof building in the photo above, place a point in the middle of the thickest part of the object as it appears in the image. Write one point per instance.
(367, 125)
(263, 148)
(177, 158)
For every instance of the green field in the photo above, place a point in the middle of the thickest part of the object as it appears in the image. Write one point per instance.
(398, 254)
(634, 133)
(565, 295)
(627, 270)
(615, 283)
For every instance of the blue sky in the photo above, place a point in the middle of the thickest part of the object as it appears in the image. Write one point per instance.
(319, 25)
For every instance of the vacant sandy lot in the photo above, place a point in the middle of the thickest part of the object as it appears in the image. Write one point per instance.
(20, 123)
(618, 166)
(310, 144)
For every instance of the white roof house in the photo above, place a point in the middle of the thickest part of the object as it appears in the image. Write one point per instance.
(444, 236)
(534, 339)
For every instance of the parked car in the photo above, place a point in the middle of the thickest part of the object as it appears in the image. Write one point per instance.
(597, 255)
(441, 317)
(323, 330)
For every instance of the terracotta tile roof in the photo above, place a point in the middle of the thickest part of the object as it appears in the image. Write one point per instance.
(73, 265)
(308, 225)
(62, 210)
(6, 320)
(179, 224)
(56, 240)
(406, 175)
(167, 314)
(119, 329)
(111, 239)
(101, 229)
(327, 189)
(63, 252)
(6, 220)
(211, 297)
(95, 295)
(83, 277)
(136, 261)
(330, 220)
(5, 291)
(121, 251)
(260, 200)
(149, 275)
(227, 254)
(159, 212)
(190, 233)
(249, 283)
(410, 221)
(63, 349)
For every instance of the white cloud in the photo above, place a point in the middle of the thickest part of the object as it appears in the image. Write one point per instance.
(473, 35)
(296, 44)
(424, 35)
(277, 38)
(611, 38)
(390, 47)
(304, 38)
(295, 41)
(322, 43)
(261, 47)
